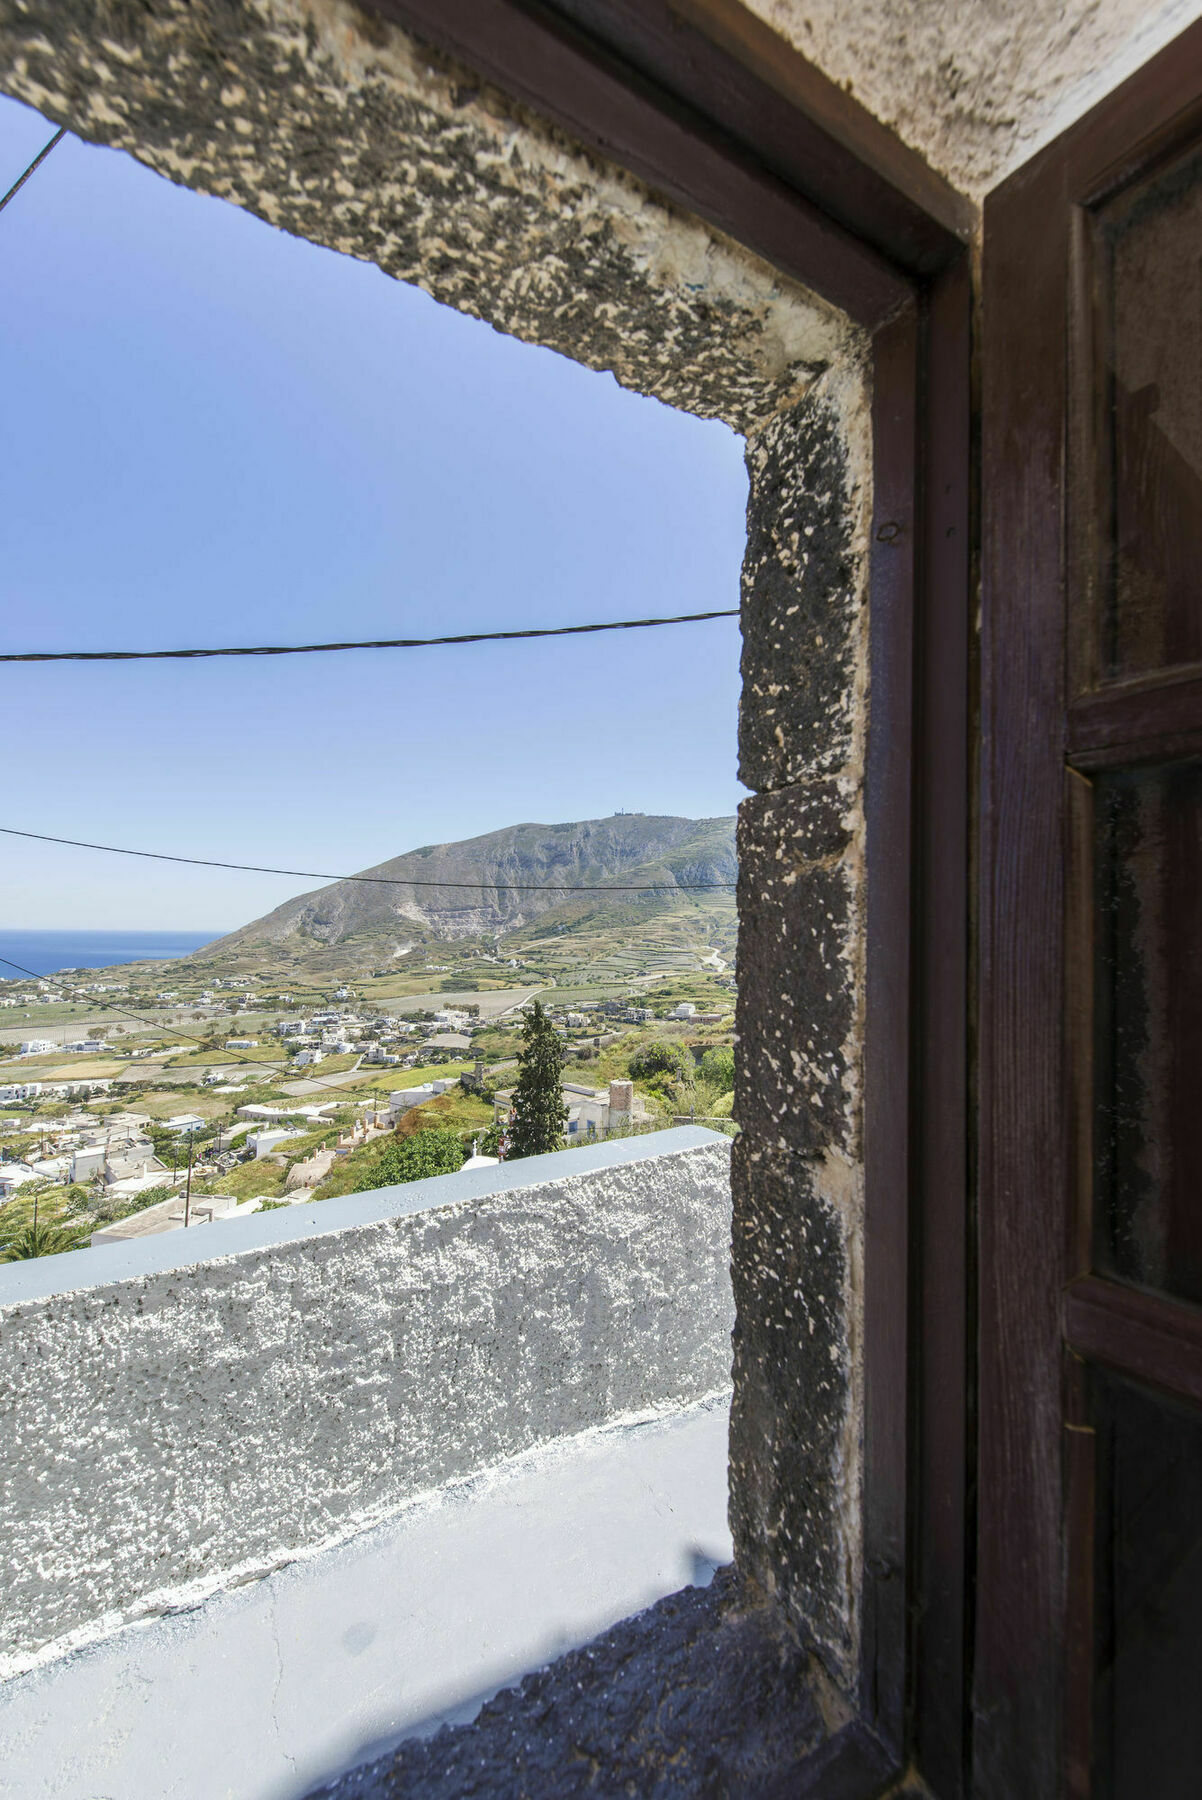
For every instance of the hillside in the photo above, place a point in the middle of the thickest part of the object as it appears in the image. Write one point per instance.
(503, 895)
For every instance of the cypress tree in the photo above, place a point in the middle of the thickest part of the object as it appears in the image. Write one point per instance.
(538, 1110)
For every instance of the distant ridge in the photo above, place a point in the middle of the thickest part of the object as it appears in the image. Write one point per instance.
(626, 848)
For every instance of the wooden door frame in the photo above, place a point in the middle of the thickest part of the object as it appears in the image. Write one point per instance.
(1031, 1247)
(719, 115)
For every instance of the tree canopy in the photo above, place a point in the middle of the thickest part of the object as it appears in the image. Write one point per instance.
(45, 1238)
(539, 1113)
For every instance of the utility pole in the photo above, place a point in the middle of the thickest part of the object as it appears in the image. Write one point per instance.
(188, 1188)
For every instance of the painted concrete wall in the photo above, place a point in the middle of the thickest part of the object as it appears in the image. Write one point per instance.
(191, 1414)
(263, 1691)
(979, 88)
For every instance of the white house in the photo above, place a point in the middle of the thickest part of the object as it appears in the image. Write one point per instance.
(685, 1010)
(307, 1059)
(593, 1112)
(403, 1100)
(87, 1161)
(185, 1124)
(38, 1046)
(14, 1175)
(241, 1043)
(20, 1090)
(168, 1215)
(264, 1142)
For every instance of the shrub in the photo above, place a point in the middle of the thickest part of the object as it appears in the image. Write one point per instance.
(489, 1141)
(661, 1059)
(152, 1196)
(718, 1067)
(414, 1159)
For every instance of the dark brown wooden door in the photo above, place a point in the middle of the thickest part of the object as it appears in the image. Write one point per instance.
(1089, 1673)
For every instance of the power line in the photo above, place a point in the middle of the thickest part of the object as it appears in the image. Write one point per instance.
(470, 637)
(37, 162)
(513, 887)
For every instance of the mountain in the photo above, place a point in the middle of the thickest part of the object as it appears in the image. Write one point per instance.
(507, 880)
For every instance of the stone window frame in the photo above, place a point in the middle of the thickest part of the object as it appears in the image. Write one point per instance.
(680, 200)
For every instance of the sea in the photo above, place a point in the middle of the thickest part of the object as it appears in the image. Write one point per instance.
(46, 952)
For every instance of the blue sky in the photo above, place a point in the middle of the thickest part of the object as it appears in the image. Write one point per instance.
(215, 433)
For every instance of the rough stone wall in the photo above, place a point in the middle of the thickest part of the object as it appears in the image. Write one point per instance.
(169, 1433)
(682, 1700)
(798, 1166)
(338, 128)
(334, 126)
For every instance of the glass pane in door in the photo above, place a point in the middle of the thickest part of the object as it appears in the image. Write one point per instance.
(1149, 269)
(1148, 1028)
(1148, 1689)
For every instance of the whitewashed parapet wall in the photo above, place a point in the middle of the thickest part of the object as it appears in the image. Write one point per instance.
(195, 1410)
(334, 125)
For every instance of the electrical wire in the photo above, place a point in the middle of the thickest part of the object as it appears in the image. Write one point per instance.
(513, 887)
(469, 637)
(37, 162)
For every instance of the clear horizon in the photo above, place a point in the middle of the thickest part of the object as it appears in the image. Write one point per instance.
(218, 433)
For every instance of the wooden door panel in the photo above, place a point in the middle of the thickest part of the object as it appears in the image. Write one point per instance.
(1090, 1470)
(1154, 1340)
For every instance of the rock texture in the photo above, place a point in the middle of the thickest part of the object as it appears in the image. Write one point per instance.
(499, 881)
(797, 1171)
(332, 124)
(682, 1700)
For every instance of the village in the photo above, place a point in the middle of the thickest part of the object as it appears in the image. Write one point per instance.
(104, 1140)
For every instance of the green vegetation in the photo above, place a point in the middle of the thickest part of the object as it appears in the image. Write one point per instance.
(261, 1177)
(44, 1238)
(455, 1110)
(536, 1126)
(414, 1158)
(717, 1067)
(221, 1057)
(662, 1058)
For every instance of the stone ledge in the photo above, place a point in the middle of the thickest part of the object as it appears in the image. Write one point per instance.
(685, 1699)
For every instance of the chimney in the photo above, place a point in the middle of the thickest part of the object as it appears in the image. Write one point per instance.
(621, 1098)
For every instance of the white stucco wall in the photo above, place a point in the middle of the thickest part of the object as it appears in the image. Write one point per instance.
(198, 1409)
(977, 88)
(263, 1691)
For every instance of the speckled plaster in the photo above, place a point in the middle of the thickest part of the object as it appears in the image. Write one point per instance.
(797, 1170)
(978, 88)
(803, 710)
(171, 1433)
(334, 126)
(330, 123)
